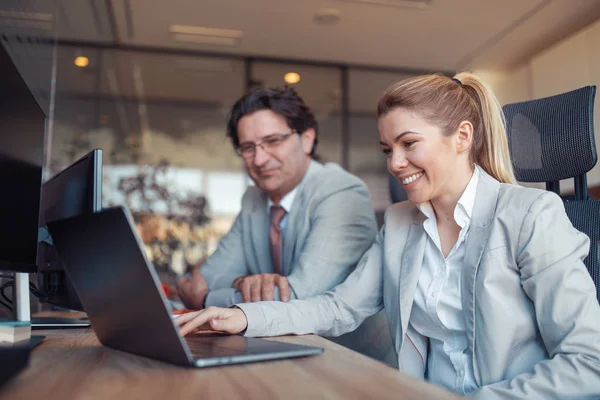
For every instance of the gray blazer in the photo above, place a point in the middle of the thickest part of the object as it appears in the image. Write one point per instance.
(330, 226)
(532, 318)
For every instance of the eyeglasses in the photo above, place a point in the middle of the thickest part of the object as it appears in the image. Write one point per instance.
(268, 144)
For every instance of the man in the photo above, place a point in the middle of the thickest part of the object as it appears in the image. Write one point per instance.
(302, 228)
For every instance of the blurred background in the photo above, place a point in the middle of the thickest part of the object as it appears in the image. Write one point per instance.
(151, 83)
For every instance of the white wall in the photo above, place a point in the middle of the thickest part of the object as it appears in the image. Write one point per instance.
(569, 64)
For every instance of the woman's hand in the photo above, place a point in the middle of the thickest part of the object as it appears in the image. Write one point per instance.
(229, 320)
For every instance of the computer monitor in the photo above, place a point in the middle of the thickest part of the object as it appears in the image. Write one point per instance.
(77, 190)
(22, 129)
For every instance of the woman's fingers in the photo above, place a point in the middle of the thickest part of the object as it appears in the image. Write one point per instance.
(183, 318)
(217, 319)
(196, 320)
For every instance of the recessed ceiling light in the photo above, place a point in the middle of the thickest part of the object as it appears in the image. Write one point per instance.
(204, 35)
(81, 61)
(292, 77)
(32, 16)
(418, 4)
(204, 31)
(328, 16)
(30, 20)
(222, 41)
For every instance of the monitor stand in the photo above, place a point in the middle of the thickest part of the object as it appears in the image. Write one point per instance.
(23, 313)
(59, 323)
(34, 340)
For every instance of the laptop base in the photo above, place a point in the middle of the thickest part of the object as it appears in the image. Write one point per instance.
(58, 323)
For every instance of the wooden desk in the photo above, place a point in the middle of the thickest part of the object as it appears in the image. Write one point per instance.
(71, 364)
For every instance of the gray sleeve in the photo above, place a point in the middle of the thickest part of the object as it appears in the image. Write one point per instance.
(550, 255)
(225, 265)
(332, 313)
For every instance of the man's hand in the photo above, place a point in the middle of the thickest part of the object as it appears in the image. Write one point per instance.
(230, 320)
(261, 287)
(192, 292)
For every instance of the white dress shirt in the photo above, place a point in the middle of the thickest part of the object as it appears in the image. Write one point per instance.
(437, 308)
(285, 203)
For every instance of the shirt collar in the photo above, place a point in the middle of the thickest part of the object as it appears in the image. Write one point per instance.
(467, 200)
(286, 202)
(464, 207)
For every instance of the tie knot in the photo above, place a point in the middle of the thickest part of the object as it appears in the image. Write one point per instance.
(277, 213)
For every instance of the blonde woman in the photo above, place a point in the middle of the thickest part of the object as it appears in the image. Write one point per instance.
(482, 280)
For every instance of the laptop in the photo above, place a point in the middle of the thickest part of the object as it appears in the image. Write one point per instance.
(120, 291)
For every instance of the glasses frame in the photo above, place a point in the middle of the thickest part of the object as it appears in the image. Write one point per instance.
(280, 138)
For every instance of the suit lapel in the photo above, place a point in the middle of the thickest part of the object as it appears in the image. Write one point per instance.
(293, 220)
(410, 267)
(484, 210)
(259, 227)
(291, 230)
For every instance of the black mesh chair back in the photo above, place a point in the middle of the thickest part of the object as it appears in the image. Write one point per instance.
(552, 139)
(585, 217)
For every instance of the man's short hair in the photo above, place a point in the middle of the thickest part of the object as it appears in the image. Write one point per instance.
(285, 102)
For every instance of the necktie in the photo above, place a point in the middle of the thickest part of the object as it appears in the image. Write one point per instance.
(275, 241)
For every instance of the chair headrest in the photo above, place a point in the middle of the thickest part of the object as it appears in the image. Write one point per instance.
(552, 138)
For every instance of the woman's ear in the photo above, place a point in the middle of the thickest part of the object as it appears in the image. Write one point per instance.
(464, 137)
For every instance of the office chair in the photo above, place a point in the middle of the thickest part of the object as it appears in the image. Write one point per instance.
(552, 139)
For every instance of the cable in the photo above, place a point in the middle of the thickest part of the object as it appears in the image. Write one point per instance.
(6, 305)
(9, 301)
(32, 289)
(3, 288)
(41, 296)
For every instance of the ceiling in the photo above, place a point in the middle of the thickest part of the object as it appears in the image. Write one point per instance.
(445, 35)
(442, 35)
(138, 73)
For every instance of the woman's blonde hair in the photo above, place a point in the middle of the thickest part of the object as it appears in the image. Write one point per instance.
(446, 103)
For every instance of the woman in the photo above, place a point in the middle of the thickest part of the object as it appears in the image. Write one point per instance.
(482, 280)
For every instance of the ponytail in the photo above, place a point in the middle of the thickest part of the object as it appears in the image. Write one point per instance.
(446, 103)
(490, 147)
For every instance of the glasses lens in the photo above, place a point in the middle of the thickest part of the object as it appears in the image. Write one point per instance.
(274, 141)
(245, 151)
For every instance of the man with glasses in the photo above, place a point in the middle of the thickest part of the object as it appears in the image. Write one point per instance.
(302, 228)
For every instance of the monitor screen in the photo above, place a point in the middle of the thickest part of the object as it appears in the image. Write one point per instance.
(22, 129)
(75, 191)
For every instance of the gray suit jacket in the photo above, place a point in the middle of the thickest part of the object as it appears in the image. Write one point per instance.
(532, 318)
(330, 226)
